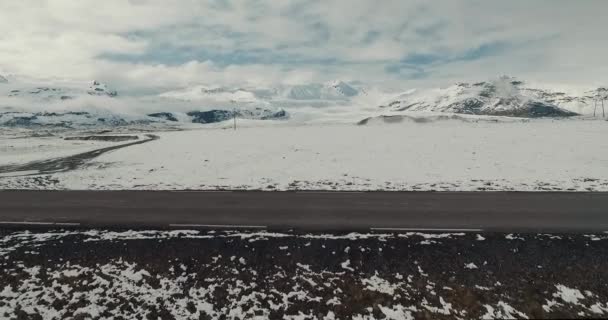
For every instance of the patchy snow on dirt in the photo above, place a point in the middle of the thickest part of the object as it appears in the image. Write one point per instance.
(502, 311)
(376, 283)
(191, 274)
(538, 155)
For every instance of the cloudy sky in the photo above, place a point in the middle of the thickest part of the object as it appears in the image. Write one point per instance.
(144, 44)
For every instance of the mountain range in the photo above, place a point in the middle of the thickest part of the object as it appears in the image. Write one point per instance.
(502, 97)
(77, 104)
(330, 91)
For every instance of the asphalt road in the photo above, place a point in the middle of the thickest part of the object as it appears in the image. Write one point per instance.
(379, 211)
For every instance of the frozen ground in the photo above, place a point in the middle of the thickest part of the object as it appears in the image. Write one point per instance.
(438, 154)
(118, 274)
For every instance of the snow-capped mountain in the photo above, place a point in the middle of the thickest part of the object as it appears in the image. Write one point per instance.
(330, 91)
(43, 92)
(93, 105)
(64, 104)
(502, 97)
(101, 89)
(582, 103)
(336, 90)
(213, 93)
(3, 79)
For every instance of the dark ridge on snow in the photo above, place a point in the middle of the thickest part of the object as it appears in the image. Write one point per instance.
(390, 119)
(100, 89)
(64, 120)
(213, 116)
(103, 138)
(163, 115)
(529, 109)
(21, 121)
(86, 119)
(537, 109)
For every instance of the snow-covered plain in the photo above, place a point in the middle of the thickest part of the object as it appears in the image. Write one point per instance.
(540, 154)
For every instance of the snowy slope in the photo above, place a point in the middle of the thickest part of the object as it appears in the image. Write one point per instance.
(501, 97)
(582, 103)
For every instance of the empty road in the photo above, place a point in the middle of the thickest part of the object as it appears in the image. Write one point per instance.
(328, 211)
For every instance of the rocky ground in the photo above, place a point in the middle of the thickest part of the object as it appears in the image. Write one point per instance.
(120, 274)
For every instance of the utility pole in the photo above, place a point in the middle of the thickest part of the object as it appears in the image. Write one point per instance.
(234, 112)
(600, 97)
(599, 100)
(604, 96)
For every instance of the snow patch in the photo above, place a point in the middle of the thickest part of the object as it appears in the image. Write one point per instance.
(502, 311)
(470, 266)
(568, 295)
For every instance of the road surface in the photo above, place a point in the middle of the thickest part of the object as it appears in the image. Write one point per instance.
(319, 211)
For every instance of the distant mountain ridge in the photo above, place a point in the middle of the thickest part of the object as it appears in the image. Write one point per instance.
(501, 97)
(88, 104)
(81, 119)
(90, 112)
(40, 92)
(335, 90)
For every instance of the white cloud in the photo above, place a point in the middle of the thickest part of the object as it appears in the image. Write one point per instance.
(138, 77)
(266, 41)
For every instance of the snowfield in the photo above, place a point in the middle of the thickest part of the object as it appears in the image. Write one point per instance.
(438, 154)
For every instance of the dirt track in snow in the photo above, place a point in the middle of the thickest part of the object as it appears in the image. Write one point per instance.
(64, 164)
